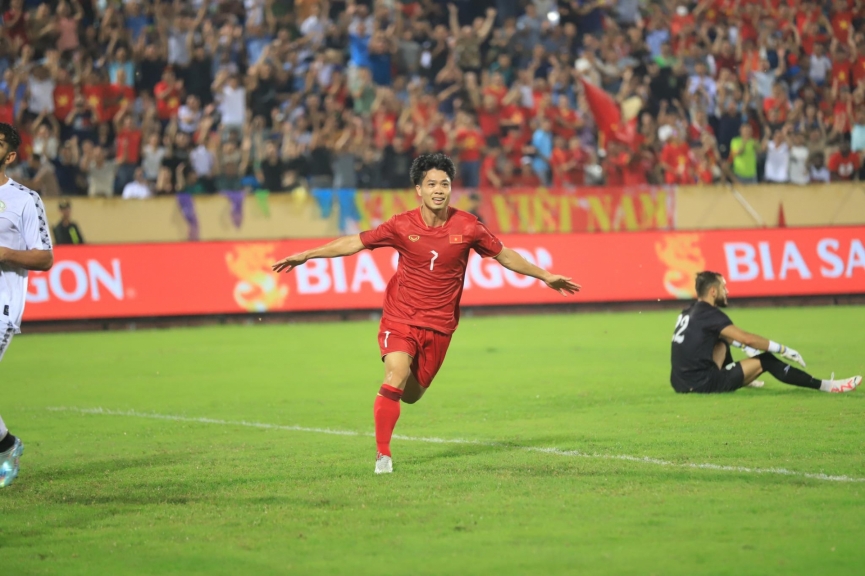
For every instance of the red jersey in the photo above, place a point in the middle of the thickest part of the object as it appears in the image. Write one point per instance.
(488, 120)
(385, 127)
(844, 166)
(842, 71)
(64, 99)
(428, 284)
(558, 163)
(166, 108)
(129, 146)
(842, 24)
(489, 164)
(115, 96)
(95, 96)
(470, 142)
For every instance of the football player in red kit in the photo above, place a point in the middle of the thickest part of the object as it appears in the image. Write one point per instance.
(421, 304)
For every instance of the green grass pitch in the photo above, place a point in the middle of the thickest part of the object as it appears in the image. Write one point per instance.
(131, 494)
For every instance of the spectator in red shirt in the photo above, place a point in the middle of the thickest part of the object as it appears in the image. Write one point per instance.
(842, 67)
(559, 160)
(120, 96)
(469, 141)
(577, 158)
(492, 175)
(488, 116)
(844, 164)
(167, 93)
(842, 21)
(566, 119)
(15, 25)
(64, 95)
(676, 160)
(128, 144)
(94, 92)
(526, 177)
(705, 175)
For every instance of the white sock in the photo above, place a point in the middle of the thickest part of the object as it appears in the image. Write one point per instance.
(826, 385)
(3, 429)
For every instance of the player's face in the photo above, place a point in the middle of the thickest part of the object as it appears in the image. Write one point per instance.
(435, 190)
(7, 155)
(721, 294)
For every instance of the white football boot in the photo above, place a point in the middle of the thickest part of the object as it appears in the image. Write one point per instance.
(383, 464)
(839, 386)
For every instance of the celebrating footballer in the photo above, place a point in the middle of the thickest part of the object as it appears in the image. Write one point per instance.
(421, 304)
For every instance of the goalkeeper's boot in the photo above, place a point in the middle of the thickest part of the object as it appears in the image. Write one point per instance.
(838, 386)
(383, 464)
(10, 462)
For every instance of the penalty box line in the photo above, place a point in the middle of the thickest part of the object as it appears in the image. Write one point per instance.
(433, 440)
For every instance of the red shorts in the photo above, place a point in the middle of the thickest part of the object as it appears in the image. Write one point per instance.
(426, 347)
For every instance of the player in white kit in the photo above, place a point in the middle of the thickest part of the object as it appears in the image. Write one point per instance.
(25, 244)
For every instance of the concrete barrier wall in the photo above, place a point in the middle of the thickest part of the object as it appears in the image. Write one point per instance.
(704, 207)
(116, 221)
(112, 221)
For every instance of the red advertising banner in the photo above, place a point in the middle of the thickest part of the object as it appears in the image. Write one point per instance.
(235, 277)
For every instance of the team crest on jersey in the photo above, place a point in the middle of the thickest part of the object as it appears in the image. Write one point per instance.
(2, 206)
(414, 237)
(456, 238)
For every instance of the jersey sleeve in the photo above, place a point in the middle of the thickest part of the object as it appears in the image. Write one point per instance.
(717, 321)
(380, 236)
(485, 243)
(35, 225)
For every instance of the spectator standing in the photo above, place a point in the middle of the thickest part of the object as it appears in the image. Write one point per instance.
(776, 168)
(799, 172)
(101, 172)
(844, 164)
(138, 188)
(66, 231)
(542, 142)
(743, 153)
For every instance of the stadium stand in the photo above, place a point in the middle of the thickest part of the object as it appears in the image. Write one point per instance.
(139, 98)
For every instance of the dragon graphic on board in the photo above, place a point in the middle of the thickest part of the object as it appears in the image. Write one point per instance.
(258, 287)
(682, 256)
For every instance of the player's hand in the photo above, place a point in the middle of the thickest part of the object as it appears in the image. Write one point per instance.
(751, 352)
(290, 263)
(562, 285)
(791, 354)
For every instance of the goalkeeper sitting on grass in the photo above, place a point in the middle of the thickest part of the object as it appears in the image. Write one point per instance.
(701, 350)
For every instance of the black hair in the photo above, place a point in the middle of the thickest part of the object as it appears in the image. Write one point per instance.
(10, 135)
(705, 280)
(426, 162)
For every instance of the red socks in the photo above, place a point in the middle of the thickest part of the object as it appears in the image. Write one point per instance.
(386, 412)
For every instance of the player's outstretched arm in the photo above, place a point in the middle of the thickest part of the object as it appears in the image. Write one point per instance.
(345, 246)
(512, 260)
(27, 259)
(752, 343)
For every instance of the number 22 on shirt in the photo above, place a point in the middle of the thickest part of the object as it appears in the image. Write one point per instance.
(681, 326)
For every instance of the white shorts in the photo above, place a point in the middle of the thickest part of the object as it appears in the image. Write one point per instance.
(6, 338)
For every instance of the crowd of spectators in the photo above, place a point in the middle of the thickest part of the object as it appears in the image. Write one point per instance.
(144, 97)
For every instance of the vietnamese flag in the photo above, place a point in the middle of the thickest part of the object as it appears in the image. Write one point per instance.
(608, 116)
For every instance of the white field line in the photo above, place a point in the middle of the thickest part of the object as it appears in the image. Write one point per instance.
(554, 451)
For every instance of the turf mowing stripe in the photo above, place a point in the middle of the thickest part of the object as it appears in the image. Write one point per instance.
(555, 451)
